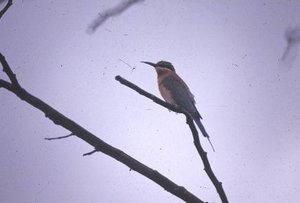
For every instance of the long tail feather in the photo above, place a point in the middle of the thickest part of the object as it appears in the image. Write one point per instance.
(203, 131)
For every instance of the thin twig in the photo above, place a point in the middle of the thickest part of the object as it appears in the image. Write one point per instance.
(132, 68)
(189, 120)
(58, 138)
(90, 153)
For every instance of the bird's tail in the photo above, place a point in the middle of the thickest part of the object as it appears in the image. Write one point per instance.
(203, 131)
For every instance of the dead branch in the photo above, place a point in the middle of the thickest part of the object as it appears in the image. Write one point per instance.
(98, 144)
(90, 153)
(58, 138)
(292, 36)
(110, 13)
(189, 121)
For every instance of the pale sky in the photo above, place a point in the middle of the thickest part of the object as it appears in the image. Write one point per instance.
(228, 52)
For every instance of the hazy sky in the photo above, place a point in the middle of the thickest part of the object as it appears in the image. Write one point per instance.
(229, 54)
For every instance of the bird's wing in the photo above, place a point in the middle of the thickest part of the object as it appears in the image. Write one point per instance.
(181, 93)
(180, 86)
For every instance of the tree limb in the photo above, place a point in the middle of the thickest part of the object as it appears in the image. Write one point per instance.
(5, 84)
(189, 121)
(110, 13)
(8, 71)
(91, 139)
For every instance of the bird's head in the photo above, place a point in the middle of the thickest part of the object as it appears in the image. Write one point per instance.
(161, 65)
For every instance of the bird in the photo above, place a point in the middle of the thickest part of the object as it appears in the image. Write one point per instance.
(176, 92)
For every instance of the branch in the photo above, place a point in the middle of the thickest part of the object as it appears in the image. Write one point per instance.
(90, 153)
(110, 13)
(8, 4)
(97, 143)
(203, 155)
(58, 138)
(292, 36)
(5, 84)
(189, 121)
(8, 71)
(147, 94)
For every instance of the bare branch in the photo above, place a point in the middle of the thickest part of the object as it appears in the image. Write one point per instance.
(58, 138)
(147, 94)
(6, 7)
(5, 84)
(189, 121)
(203, 155)
(8, 71)
(110, 13)
(100, 145)
(90, 153)
(292, 36)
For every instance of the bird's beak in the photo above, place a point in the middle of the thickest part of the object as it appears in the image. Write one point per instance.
(149, 63)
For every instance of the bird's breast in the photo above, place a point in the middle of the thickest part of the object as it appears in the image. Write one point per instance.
(162, 74)
(164, 90)
(166, 94)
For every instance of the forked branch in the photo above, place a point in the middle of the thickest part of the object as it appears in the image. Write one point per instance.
(189, 121)
(98, 144)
